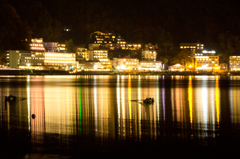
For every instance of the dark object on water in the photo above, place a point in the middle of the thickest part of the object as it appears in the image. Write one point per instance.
(33, 116)
(148, 100)
(10, 98)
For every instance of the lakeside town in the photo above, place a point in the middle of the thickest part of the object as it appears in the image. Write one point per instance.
(109, 52)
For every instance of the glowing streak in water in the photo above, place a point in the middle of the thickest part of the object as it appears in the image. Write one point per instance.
(204, 102)
(130, 97)
(28, 103)
(118, 105)
(139, 105)
(95, 101)
(217, 99)
(80, 104)
(157, 99)
(190, 99)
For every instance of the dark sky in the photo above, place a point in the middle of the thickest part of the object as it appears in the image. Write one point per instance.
(154, 21)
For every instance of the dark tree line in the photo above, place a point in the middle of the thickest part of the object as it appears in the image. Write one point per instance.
(166, 23)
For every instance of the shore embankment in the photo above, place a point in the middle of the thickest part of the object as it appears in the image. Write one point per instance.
(63, 72)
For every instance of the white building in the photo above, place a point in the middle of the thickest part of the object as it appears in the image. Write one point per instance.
(147, 65)
(126, 63)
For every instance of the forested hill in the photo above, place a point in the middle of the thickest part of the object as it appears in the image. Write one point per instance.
(214, 23)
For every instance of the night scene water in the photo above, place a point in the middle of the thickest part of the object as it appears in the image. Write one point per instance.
(191, 116)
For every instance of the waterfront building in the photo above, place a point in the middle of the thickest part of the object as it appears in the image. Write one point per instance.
(177, 67)
(234, 63)
(126, 63)
(206, 61)
(60, 60)
(106, 63)
(148, 65)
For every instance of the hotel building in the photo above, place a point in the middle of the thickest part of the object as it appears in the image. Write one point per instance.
(207, 61)
(147, 65)
(234, 63)
(126, 63)
(60, 60)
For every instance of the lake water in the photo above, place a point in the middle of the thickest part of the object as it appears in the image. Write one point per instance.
(106, 115)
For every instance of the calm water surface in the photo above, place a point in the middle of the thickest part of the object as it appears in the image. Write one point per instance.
(86, 115)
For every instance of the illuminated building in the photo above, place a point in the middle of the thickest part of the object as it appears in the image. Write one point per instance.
(134, 46)
(31, 60)
(112, 41)
(234, 63)
(104, 38)
(95, 52)
(192, 46)
(126, 63)
(106, 63)
(61, 47)
(177, 67)
(51, 46)
(150, 52)
(60, 60)
(147, 65)
(37, 44)
(82, 54)
(207, 61)
(12, 58)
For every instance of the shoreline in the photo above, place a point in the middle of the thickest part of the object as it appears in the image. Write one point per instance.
(62, 72)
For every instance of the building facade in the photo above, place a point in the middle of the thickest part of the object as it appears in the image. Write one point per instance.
(126, 63)
(192, 46)
(206, 62)
(234, 63)
(148, 65)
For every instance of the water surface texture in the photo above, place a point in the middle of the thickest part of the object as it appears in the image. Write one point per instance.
(90, 115)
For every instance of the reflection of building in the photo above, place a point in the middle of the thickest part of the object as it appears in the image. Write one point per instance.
(177, 67)
(126, 63)
(150, 65)
(207, 60)
(234, 63)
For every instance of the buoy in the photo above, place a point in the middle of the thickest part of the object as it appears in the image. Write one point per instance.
(33, 116)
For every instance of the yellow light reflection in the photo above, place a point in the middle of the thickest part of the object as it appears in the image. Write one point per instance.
(130, 97)
(217, 99)
(190, 98)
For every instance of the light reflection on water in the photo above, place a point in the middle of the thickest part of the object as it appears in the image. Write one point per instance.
(112, 108)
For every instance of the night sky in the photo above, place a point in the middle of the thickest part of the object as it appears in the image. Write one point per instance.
(214, 23)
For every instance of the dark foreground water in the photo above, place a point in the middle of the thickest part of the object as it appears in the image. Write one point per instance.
(192, 116)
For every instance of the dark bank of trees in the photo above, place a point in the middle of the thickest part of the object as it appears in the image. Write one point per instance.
(166, 23)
